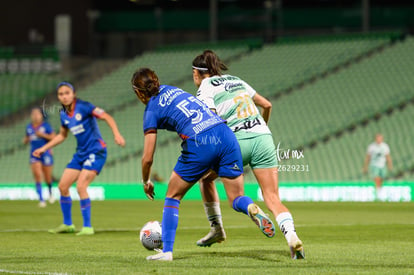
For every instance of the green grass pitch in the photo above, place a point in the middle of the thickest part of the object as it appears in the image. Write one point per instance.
(339, 238)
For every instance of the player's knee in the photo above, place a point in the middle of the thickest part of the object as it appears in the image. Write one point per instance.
(175, 195)
(81, 187)
(63, 189)
(37, 176)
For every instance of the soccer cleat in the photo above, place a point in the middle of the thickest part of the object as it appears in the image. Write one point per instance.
(86, 231)
(42, 204)
(162, 256)
(296, 248)
(63, 228)
(216, 235)
(261, 220)
(51, 199)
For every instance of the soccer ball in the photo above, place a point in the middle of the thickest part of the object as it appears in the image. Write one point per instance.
(150, 235)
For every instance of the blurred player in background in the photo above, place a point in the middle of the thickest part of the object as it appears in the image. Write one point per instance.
(38, 133)
(79, 117)
(378, 154)
(207, 145)
(235, 101)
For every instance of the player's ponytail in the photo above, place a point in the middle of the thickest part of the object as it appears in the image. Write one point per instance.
(146, 81)
(209, 63)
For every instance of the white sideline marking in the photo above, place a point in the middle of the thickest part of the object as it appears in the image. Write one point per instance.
(30, 272)
(204, 227)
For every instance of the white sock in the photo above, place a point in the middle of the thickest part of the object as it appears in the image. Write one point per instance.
(213, 213)
(285, 222)
(381, 194)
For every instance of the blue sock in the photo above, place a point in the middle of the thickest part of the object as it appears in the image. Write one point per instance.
(86, 212)
(241, 203)
(66, 207)
(169, 223)
(39, 190)
(49, 186)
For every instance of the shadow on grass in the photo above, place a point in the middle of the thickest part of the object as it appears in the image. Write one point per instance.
(268, 255)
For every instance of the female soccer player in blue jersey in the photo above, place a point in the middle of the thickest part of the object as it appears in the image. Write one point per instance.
(235, 100)
(38, 133)
(79, 117)
(207, 144)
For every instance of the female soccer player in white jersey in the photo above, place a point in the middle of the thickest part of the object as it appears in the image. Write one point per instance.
(235, 101)
(171, 108)
(38, 133)
(79, 117)
(378, 154)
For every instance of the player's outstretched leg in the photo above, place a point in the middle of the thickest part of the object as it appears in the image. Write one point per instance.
(245, 204)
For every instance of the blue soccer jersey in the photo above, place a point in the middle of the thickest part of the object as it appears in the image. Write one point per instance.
(175, 110)
(82, 123)
(35, 141)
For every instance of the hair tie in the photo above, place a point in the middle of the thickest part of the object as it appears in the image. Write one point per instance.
(200, 69)
(65, 83)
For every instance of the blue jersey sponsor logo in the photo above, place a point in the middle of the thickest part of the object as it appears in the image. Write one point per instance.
(83, 125)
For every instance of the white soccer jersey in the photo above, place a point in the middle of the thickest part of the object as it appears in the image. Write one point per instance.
(378, 153)
(233, 100)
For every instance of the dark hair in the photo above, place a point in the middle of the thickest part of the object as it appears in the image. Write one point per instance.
(41, 111)
(209, 63)
(146, 81)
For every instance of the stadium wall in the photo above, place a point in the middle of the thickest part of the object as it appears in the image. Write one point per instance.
(327, 191)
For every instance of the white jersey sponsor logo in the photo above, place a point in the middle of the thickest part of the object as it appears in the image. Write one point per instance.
(78, 129)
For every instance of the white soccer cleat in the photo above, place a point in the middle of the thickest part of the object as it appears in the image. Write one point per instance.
(216, 235)
(296, 248)
(51, 199)
(42, 204)
(162, 256)
(261, 220)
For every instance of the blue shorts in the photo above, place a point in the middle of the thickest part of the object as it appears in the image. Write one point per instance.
(216, 148)
(46, 159)
(92, 161)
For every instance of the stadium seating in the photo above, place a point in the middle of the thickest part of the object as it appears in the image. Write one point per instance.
(114, 93)
(275, 68)
(341, 92)
(342, 158)
(19, 90)
(336, 102)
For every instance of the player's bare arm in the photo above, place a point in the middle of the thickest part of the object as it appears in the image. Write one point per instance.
(58, 139)
(265, 104)
(389, 162)
(45, 136)
(367, 159)
(26, 140)
(119, 139)
(150, 142)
